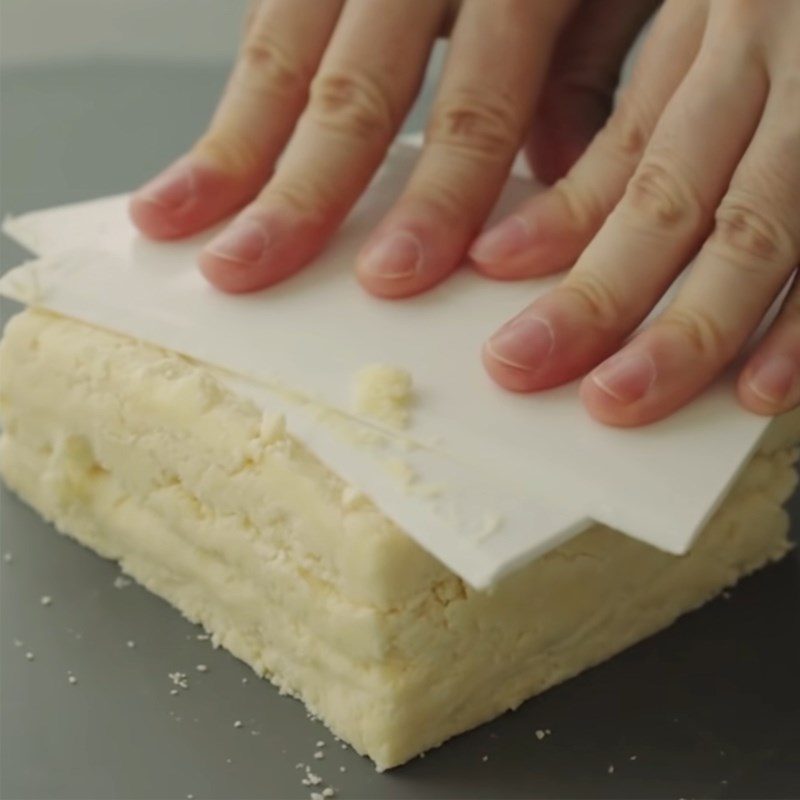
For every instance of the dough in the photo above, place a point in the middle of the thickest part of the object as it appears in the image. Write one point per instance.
(146, 458)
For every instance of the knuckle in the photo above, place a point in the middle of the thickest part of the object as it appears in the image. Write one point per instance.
(480, 126)
(229, 153)
(658, 197)
(440, 197)
(270, 66)
(351, 103)
(582, 208)
(742, 229)
(701, 331)
(598, 298)
(626, 132)
(309, 199)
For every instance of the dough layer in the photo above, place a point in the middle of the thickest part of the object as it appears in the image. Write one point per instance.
(145, 457)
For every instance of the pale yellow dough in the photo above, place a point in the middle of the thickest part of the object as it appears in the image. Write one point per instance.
(384, 393)
(146, 458)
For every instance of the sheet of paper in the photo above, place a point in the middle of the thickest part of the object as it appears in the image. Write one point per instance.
(498, 478)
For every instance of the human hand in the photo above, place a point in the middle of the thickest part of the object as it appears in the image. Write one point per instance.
(326, 85)
(701, 158)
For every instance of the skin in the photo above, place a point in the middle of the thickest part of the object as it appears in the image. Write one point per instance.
(699, 161)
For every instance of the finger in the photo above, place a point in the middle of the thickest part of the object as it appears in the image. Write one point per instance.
(658, 225)
(742, 267)
(551, 230)
(770, 382)
(368, 78)
(578, 95)
(226, 167)
(476, 126)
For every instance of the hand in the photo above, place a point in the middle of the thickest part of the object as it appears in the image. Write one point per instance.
(700, 160)
(326, 85)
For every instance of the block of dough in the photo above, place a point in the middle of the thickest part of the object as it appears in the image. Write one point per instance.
(145, 457)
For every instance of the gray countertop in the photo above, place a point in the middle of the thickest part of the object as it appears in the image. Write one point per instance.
(709, 708)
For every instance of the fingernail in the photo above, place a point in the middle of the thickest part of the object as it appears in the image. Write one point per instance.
(774, 379)
(243, 241)
(171, 189)
(627, 377)
(398, 255)
(524, 343)
(503, 241)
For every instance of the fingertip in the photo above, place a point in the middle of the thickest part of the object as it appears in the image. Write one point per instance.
(387, 289)
(503, 242)
(162, 208)
(623, 391)
(537, 240)
(188, 197)
(393, 264)
(752, 402)
(605, 408)
(259, 248)
(405, 261)
(152, 220)
(504, 374)
(228, 276)
(769, 385)
(518, 355)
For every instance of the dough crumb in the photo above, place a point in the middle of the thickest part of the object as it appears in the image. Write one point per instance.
(610, 769)
(179, 679)
(202, 668)
(238, 724)
(8, 558)
(72, 680)
(311, 779)
(29, 655)
(131, 644)
(121, 582)
(46, 600)
(384, 393)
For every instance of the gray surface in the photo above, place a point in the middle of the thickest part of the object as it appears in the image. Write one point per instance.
(710, 707)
